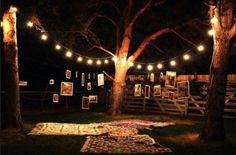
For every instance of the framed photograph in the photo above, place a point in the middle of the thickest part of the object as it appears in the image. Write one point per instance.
(89, 86)
(171, 95)
(152, 77)
(23, 83)
(85, 103)
(76, 74)
(55, 98)
(51, 81)
(68, 74)
(137, 90)
(93, 99)
(170, 79)
(82, 79)
(183, 90)
(147, 92)
(157, 90)
(66, 89)
(165, 94)
(100, 79)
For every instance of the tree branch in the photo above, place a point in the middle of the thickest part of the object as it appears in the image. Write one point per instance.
(180, 36)
(232, 31)
(105, 50)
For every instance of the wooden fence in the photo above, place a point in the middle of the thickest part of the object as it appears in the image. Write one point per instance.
(194, 105)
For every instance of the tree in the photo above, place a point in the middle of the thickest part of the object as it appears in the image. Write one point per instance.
(225, 29)
(13, 114)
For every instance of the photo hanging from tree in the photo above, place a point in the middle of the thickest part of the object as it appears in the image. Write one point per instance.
(183, 90)
(165, 94)
(76, 74)
(100, 79)
(89, 86)
(68, 74)
(147, 91)
(152, 77)
(85, 103)
(170, 79)
(51, 81)
(66, 89)
(82, 79)
(137, 90)
(157, 90)
(55, 98)
(93, 99)
(171, 95)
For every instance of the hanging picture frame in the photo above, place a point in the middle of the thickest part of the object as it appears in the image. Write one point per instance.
(89, 76)
(85, 103)
(55, 98)
(183, 90)
(147, 92)
(157, 90)
(68, 74)
(76, 74)
(82, 79)
(51, 82)
(66, 89)
(170, 79)
(152, 77)
(165, 94)
(93, 99)
(171, 95)
(137, 90)
(100, 79)
(89, 86)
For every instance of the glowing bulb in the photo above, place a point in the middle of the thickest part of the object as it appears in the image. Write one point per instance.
(30, 24)
(159, 66)
(114, 59)
(211, 32)
(186, 57)
(106, 61)
(98, 62)
(69, 54)
(80, 59)
(149, 67)
(58, 47)
(13, 9)
(90, 62)
(200, 48)
(214, 20)
(139, 66)
(173, 63)
(131, 64)
(44, 37)
(123, 60)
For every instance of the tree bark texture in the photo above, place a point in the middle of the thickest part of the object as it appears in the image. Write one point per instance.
(12, 98)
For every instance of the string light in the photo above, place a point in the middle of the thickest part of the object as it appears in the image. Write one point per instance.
(13, 9)
(159, 66)
(44, 37)
(200, 48)
(106, 61)
(214, 20)
(173, 63)
(139, 66)
(90, 61)
(98, 62)
(211, 32)
(58, 47)
(30, 24)
(123, 60)
(149, 67)
(131, 64)
(114, 59)
(79, 59)
(186, 57)
(69, 54)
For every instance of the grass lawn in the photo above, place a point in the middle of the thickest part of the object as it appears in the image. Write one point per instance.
(182, 138)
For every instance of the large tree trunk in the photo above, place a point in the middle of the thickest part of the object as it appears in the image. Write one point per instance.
(213, 126)
(118, 88)
(13, 115)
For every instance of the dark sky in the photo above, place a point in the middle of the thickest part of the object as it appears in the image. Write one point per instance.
(39, 61)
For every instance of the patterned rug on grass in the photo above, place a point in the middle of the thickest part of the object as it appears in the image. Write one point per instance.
(51, 128)
(131, 144)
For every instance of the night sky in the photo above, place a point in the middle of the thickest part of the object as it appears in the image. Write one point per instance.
(38, 60)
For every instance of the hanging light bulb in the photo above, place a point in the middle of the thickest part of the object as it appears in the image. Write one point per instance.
(123, 60)
(149, 67)
(44, 37)
(30, 24)
(58, 47)
(98, 62)
(211, 32)
(173, 63)
(159, 66)
(186, 57)
(90, 61)
(1, 24)
(139, 66)
(200, 48)
(69, 54)
(13, 9)
(79, 59)
(131, 64)
(114, 59)
(106, 61)
(214, 20)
